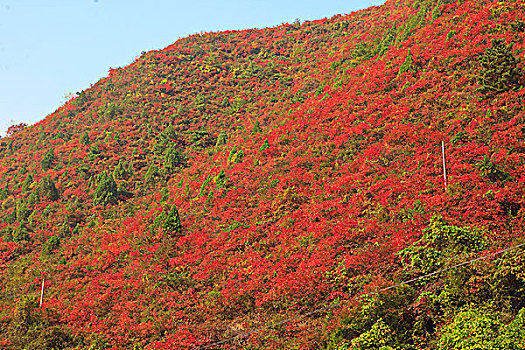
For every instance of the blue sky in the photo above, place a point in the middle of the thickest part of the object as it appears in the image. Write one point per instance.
(51, 48)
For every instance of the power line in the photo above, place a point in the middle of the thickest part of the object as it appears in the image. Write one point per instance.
(338, 303)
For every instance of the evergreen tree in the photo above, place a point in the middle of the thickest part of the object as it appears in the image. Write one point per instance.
(408, 64)
(232, 153)
(33, 198)
(26, 185)
(264, 146)
(47, 188)
(22, 211)
(172, 159)
(20, 234)
(165, 138)
(499, 68)
(52, 244)
(106, 192)
(204, 185)
(238, 157)
(221, 179)
(169, 133)
(256, 128)
(152, 175)
(48, 160)
(122, 171)
(221, 140)
(172, 223)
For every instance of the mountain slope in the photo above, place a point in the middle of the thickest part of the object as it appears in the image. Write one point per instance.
(236, 179)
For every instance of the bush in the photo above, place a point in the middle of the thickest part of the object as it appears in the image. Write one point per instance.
(471, 329)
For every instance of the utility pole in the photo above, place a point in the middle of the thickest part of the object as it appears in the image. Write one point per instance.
(42, 292)
(444, 163)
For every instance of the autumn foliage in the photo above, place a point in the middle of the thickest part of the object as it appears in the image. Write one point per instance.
(238, 179)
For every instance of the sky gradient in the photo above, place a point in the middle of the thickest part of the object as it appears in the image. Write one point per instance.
(52, 48)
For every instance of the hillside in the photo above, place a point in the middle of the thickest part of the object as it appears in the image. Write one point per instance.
(238, 179)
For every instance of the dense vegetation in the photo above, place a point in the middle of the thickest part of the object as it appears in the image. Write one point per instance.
(237, 179)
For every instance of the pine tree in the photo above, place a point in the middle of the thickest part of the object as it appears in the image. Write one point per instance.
(221, 179)
(238, 157)
(33, 198)
(85, 140)
(122, 171)
(264, 146)
(221, 140)
(169, 133)
(232, 153)
(52, 244)
(47, 188)
(151, 175)
(26, 185)
(204, 185)
(165, 138)
(172, 223)
(408, 64)
(172, 159)
(48, 160)
(20, 234)
(5, 191)
(106, 192)
(22, 211)
(256, 128)
(499, 69)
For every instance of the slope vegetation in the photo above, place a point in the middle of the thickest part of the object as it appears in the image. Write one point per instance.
(237, 179)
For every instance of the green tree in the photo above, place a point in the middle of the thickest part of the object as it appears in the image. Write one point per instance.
(238, 157)
(33, 198)
(165, 138)
(31, 329)
(106, 192)
(26, 185)
(5, 191)
(264, 146)
(48, 160)
(256, 128)
(232, 153)
(408, 64)
(52, 244)
(172, 159)
(152, 175)
(471, 329)
(221, 179)
(378, 337)
(499, 68)
(20, 233)
(22, 211)
(204, 185)
(172, 223)
(85, 140)
(221, 139)
(123, 171)
(47, 188)
(512, 336)
(225, 103)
